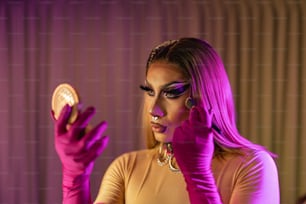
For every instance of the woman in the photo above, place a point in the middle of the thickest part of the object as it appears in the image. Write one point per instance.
(195, 153)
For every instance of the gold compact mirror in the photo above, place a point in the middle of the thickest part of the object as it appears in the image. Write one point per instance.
(62, 95)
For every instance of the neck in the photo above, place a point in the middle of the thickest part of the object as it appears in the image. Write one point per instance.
(166, 157)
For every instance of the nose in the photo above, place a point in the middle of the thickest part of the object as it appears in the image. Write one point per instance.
(156, 109)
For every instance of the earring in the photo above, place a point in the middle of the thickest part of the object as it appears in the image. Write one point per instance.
(189, 102)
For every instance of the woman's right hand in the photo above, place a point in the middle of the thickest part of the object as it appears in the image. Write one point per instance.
(76, 146)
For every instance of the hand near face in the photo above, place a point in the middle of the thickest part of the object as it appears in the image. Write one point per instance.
(193, 144)
(77, 147)
(193, 149)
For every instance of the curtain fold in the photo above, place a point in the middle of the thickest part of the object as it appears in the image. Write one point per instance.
(101, 47)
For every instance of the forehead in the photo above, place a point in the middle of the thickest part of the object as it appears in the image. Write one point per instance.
(160, 73)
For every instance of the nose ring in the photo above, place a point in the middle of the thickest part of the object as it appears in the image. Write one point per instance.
(155, 118)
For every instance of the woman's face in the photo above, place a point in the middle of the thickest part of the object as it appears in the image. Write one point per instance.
(167, 90)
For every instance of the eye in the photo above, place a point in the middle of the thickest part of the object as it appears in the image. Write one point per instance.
(176, 92)
(170, 95)
(147, 89)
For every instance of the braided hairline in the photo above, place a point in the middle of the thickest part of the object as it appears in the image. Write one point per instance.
(157, 49)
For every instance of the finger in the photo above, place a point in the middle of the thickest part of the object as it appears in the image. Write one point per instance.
(205, 116)
(95, 134)
(194, 115)
(82, 121)
(62, 121)
(205, 113)
(102, 144)
(84, 118)
(95, 151)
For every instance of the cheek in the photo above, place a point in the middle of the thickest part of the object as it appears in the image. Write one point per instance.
(178, 114)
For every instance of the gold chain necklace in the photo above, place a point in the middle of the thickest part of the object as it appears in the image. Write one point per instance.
(165, 156)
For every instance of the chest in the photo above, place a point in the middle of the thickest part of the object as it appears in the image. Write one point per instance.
(156, 184)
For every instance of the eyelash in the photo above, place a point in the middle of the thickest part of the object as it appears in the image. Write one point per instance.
(171, 93)
(147, 89)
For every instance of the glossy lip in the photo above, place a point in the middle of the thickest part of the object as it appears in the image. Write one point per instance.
(158, 128)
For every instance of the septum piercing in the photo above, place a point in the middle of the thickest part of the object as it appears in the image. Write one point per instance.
(155, 118)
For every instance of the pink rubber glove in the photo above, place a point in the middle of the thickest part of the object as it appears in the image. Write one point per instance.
(77, 151)
(193, 149)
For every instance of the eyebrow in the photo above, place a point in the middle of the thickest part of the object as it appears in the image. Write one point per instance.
(169, 84)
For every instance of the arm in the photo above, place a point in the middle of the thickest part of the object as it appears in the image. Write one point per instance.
(256, 180)
(77, 150)
(193, 149)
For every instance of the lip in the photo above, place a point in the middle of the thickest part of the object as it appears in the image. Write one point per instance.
(158, 128)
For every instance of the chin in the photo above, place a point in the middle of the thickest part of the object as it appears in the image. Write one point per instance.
(162, 137)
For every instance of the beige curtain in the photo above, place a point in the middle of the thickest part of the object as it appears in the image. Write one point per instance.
(101, 48)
